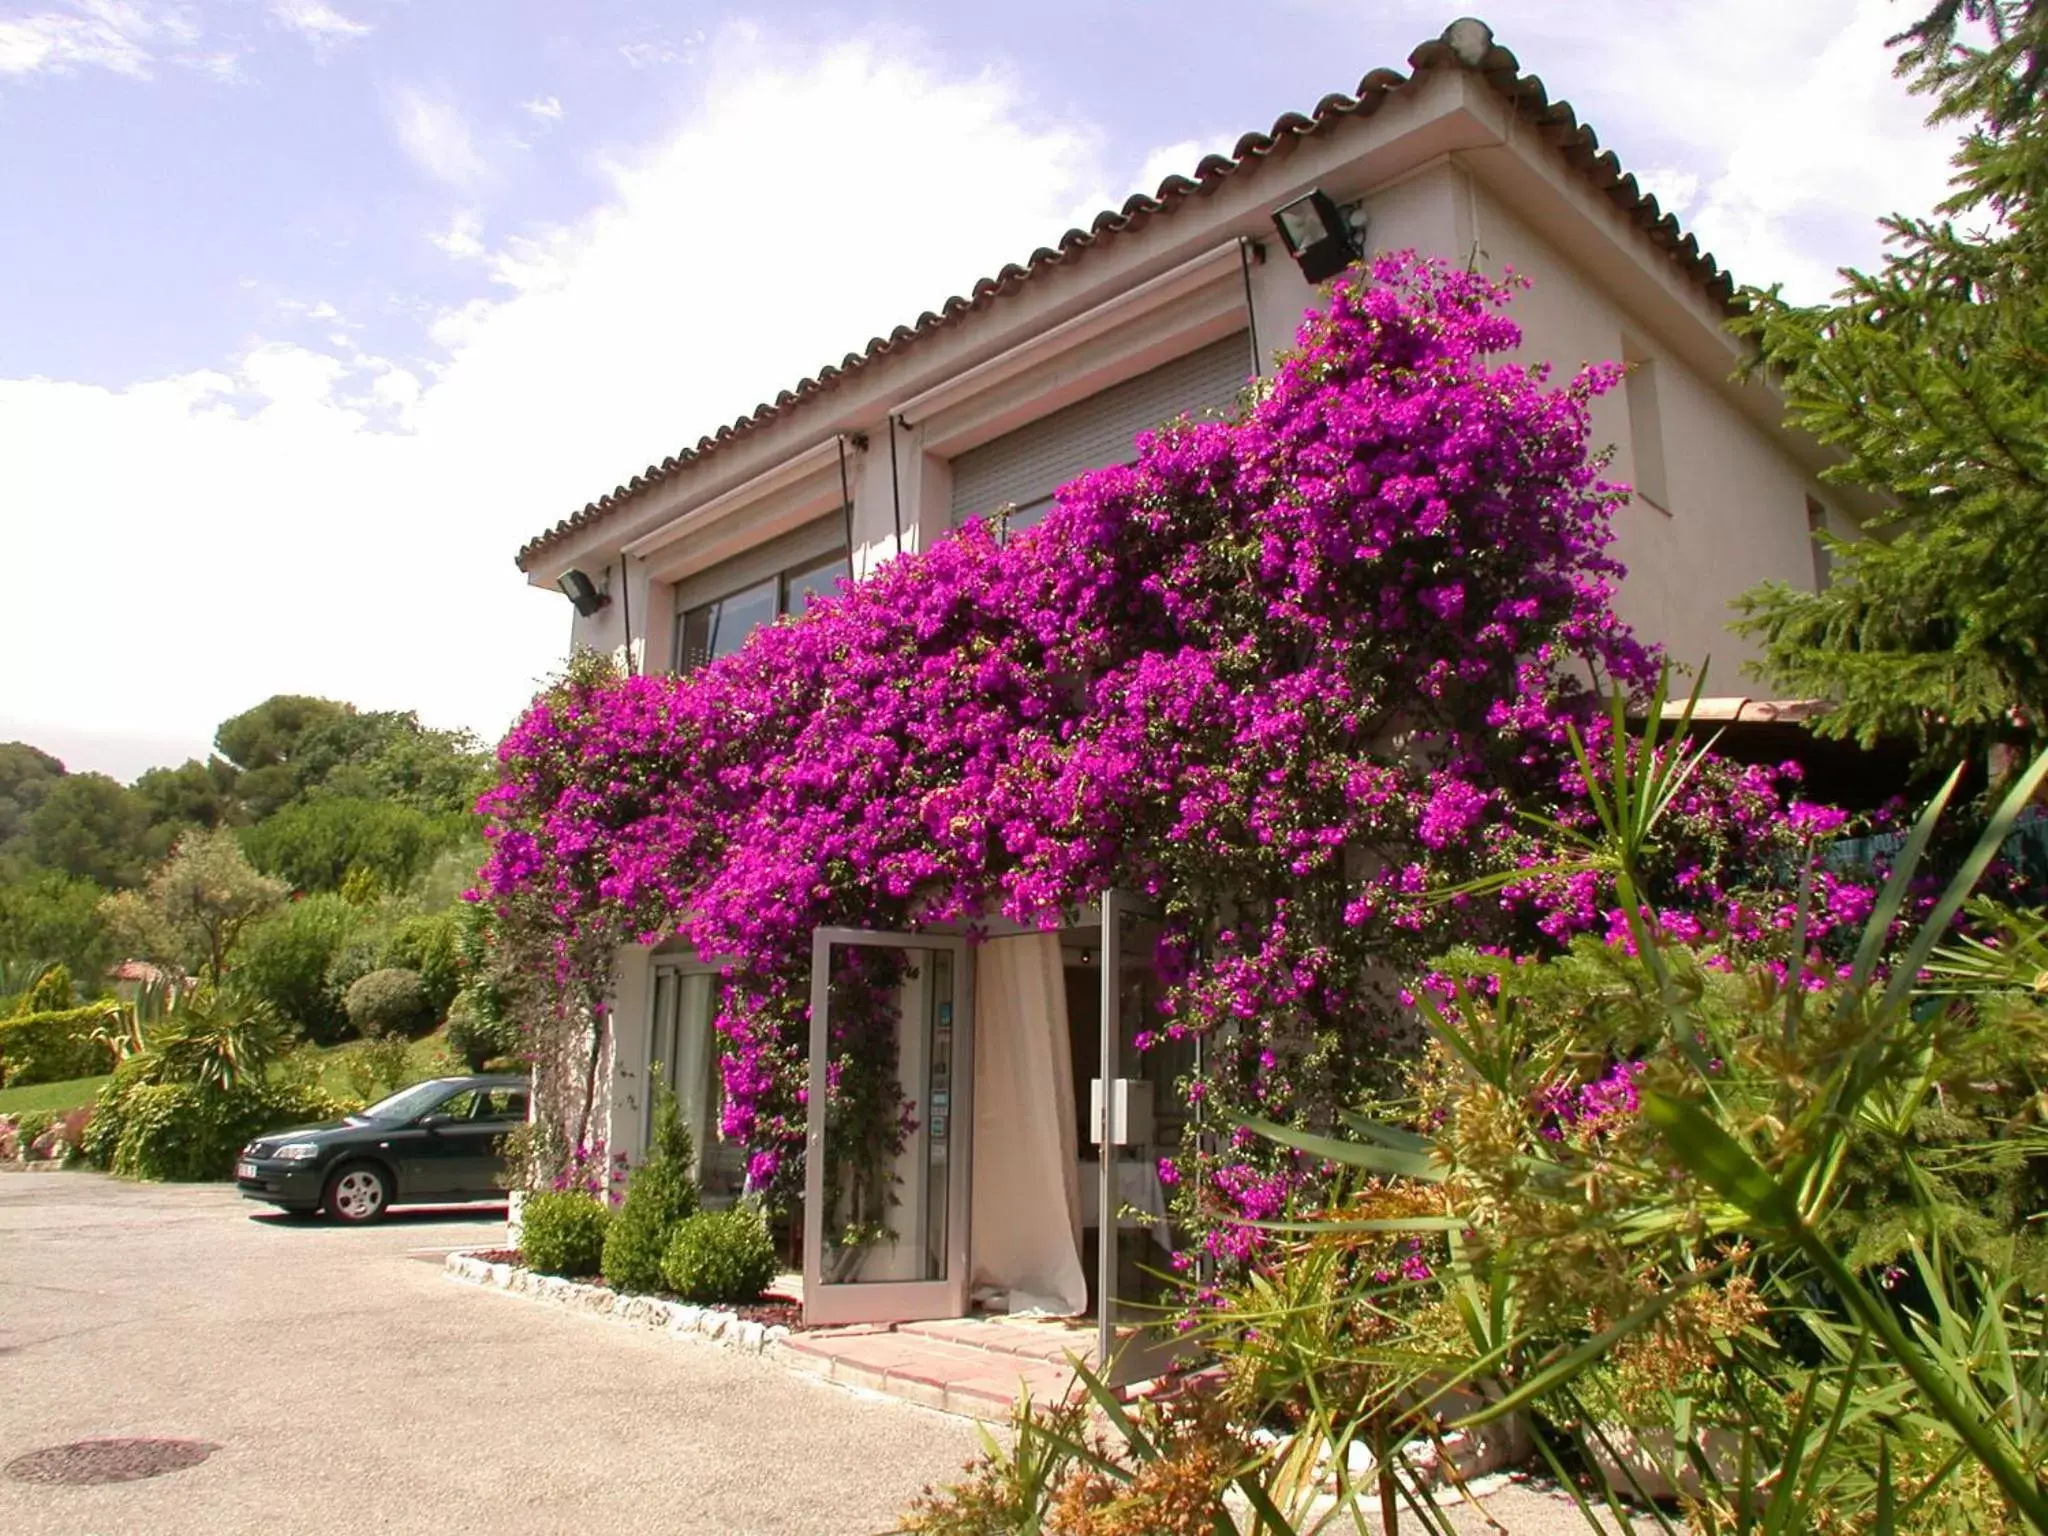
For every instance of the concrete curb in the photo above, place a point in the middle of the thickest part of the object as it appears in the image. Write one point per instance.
(672, 1317)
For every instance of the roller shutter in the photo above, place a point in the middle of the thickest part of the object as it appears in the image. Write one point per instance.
(1026, 466)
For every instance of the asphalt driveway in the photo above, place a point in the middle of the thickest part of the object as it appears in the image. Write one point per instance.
(348, 1387)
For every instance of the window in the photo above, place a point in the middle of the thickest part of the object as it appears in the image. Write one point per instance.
(806, 584)
(682, 1055)
(502, 1104)
(1823, 561)
(720, 627)
(1022, 468)
(1645, 425)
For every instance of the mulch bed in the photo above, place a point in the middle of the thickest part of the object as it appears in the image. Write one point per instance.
(769, 1311)
(774, 1312)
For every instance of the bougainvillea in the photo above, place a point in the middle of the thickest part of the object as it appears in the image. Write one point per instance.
(1288, 675)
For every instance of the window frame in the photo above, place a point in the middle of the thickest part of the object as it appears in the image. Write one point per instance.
(780, 585)
(1650, 470)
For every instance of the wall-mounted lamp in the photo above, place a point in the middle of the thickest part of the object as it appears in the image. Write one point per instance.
(1319, 236)
(583, 592)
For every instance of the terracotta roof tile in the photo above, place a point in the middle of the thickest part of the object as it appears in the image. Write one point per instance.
(1463, 45)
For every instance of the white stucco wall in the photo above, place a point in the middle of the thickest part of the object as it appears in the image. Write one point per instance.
(1736, 502)
(635, 597)
(632, 1018)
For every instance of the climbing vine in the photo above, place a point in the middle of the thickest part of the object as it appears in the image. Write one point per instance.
(1290, 674)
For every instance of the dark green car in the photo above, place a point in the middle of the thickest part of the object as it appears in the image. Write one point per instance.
(434, 1143)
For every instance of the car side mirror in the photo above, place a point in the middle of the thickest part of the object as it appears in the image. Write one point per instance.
(433, 1122)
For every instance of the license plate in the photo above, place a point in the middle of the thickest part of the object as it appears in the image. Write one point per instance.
(243, 1170)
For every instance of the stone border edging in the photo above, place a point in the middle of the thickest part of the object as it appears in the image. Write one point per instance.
(676, 1317)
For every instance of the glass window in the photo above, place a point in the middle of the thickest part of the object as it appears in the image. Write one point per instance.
(408, 1103)
(801, 586)
(683, 1054)
(502, 1104)
(718, 628)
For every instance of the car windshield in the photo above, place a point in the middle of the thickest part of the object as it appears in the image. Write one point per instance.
(408, 1103)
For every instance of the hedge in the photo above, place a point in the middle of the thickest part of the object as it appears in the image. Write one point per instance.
(53, 1047)
(179, 1131)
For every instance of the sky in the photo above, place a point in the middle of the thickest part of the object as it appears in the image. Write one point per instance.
(311, 313)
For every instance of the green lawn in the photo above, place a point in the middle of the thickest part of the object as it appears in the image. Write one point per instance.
(425, 1057)
(50, 1097)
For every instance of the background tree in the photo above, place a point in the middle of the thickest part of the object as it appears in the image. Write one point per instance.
(316, 843)
(197, 904)
(264, 744)
(89, 826)
(54, 917)
(389, 755)
(194, 794)
(26, 775)
(1931, 376)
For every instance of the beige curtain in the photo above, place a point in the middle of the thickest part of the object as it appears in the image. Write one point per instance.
(1027, 1193)
(691, 1070)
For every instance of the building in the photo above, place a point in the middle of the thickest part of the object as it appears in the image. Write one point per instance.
(1048, 369)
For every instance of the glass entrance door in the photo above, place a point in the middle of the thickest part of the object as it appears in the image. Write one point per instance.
(891, 1082)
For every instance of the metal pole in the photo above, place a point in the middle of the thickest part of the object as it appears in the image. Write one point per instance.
(1106, 1203)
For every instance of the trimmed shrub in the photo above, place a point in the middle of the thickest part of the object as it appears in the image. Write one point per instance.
(53, 1047)
(477, 1033)
(285, 960)
(429, 945)
(720, 1257)
(660, 1194)
(564, 1234)
(392, 1001)
(362, 954)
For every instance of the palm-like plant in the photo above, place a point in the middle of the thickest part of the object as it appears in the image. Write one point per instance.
(1907, 1397)
(1671, 1299)
(216, 1042)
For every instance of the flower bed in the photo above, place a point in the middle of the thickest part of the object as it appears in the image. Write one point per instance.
(753, 1329)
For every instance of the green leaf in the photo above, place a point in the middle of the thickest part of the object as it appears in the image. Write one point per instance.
(1351, 1154)
(1965, 881)
(1716, 1158)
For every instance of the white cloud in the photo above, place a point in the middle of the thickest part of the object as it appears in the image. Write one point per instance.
(316, 20)
(547, 108)
(653, 53)
(1178, 159)
(436, 136)
(116, 35)
(1677, 191)
(297, 522)
(1777, 130)
(461, 239)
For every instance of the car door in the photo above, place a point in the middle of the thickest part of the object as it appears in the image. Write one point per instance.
(432, 1153)
(471, 1138)
(500, 1112)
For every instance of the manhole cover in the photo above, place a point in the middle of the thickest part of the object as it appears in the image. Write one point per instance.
(107, 1461)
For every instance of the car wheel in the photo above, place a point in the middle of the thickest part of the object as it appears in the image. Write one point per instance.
(358, 1192)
